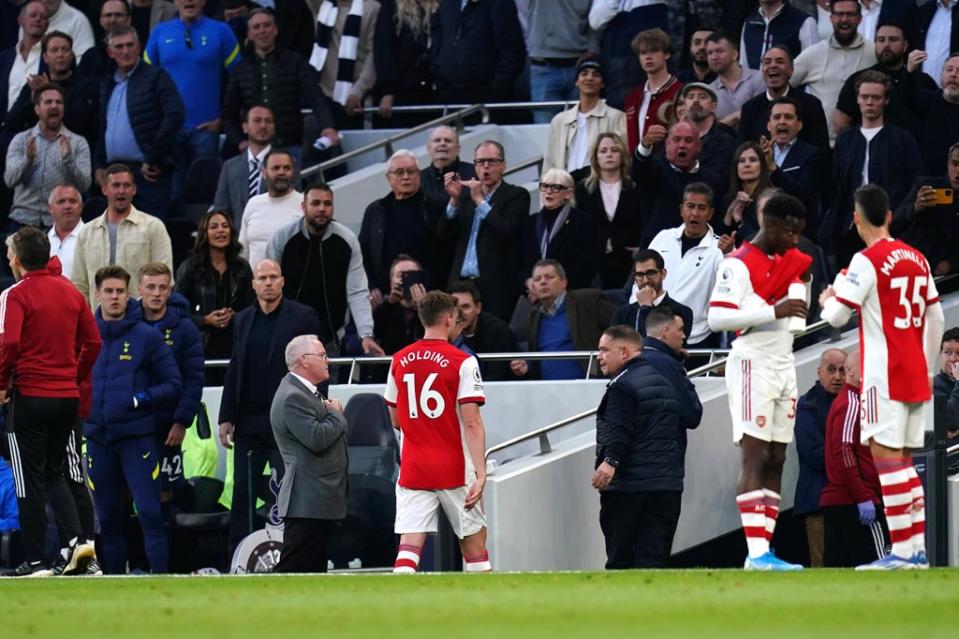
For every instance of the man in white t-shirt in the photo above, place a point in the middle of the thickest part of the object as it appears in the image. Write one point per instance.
(268, 212)
(434, 392)
(901, 322)
(66, 207)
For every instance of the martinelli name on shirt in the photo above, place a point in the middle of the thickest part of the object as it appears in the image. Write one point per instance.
(897, 256)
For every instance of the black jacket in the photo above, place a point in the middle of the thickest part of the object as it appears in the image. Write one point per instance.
(948, 390)
(805, 175)
(634, 315)
(572, 245)
(431, 178)
(615, 235)
(80, 108)
(662, 187)
(718, 146)
(402, 60)
(754, 118)
(373, 238)
(893, 164)
(96, 64)
(492, 335)
(496, 245)
(638, 426)
(295, 84)
(294, 319)
(479, 46)
(197, 283)
(940, 127)
(934, 231)
(156, 114)
(897, 110)
(669, 364)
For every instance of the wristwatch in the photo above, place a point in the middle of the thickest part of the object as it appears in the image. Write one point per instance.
(611, 462)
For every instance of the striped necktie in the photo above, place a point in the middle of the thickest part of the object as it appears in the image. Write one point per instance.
(254, 179)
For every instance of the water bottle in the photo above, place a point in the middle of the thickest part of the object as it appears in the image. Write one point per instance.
(797, 291)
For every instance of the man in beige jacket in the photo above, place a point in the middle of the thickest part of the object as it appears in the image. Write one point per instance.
(572, 132)
(122, 236)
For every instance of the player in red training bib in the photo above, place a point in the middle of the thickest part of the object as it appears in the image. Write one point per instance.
(751, 296)
(901, 321)
(434, 391)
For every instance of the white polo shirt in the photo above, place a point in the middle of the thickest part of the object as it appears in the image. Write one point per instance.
(65, 248)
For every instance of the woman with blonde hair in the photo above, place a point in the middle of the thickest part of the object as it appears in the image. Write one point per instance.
(611, 199)
(559, 231)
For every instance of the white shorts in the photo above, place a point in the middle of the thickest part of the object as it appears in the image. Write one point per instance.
(762, 400)
(417, 511)
(893, 424)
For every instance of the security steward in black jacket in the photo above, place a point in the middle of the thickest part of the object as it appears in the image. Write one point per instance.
(639, 455)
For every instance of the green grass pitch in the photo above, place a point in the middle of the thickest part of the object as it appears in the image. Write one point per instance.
(674, 604)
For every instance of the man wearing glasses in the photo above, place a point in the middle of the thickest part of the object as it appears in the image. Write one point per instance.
(402, 222)
(484, 217)
(691, 256)
(647, 292)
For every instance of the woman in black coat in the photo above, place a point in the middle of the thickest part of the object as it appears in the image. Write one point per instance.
(559, 231)
(217, 282)
(609, 195)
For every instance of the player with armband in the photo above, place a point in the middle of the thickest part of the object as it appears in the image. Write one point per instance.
(760, 294)
(434, 392)
(901, 322)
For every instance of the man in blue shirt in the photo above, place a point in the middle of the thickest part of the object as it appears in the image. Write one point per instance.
(140, 114)
(195, 50)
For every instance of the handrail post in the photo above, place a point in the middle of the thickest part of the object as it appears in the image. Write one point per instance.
(485, 114)
(388, 147)
(544, 447)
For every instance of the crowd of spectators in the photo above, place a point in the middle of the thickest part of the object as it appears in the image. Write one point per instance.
(681, 117)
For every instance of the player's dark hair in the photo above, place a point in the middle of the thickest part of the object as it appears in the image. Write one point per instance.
(469, 288)
(782, 205)
(32, 248)
(787, 99)
(872, 202)
(433, 306)
(624, 333)
(660, 316)
(698, 188)
(644, 255)
(111, 273)
(951, 335)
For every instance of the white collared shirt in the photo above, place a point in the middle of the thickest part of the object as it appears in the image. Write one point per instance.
(870, 19)
(259, 158)
(309, 385)
(20, 70)
(65, 248)
(939, 40)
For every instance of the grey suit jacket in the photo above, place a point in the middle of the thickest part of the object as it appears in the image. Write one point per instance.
(312, 441)
(232, 188)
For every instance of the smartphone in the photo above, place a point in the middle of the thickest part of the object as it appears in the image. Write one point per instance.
(942, 196)
(415, 277)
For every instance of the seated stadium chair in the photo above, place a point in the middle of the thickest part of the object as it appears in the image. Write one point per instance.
(93, 208)
(199, 188)
(201, 531)
(182, 234)
(617, 296)
(367, 531)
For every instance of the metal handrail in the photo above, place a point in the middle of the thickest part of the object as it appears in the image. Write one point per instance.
(526, 164)
(445, 108)
(542, 433)
(387, 143)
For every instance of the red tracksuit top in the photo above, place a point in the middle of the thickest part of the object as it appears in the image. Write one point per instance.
(48, 338)
(849, 466)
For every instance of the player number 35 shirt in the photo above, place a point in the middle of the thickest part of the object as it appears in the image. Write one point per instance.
(893, 319)
(428, 380)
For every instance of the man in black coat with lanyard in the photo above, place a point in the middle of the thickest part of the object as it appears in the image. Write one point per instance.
(639, 455)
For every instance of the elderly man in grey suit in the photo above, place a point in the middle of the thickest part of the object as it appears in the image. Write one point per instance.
(310, 432)
(242, 176)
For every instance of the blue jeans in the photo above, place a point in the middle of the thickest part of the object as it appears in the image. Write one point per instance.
(190, 145)
(547, 84)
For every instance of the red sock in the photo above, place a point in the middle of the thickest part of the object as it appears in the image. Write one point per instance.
(771, 500)
(407, 559)
(478, 563)
(897, 503)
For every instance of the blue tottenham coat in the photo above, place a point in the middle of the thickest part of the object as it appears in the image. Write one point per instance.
(811, 412)
(183, 337)
(133, 360)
